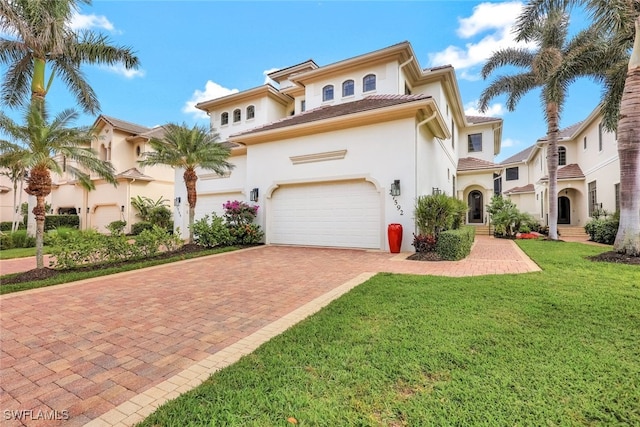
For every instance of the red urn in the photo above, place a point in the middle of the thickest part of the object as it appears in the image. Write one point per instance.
(394, 233)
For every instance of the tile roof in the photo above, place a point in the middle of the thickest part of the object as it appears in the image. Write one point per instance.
(519, 157)
(566, 132)
(471, 163)
(571, 171)
(124, 125)
(526, 189)
(481, 119)
(330, 111)
(134, 173)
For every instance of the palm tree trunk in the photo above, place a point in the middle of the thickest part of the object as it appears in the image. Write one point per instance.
(190, 178)
(38, 90)
(39, 185)
(628, 237)
(39, 213)
(552, 166)
(14, 220)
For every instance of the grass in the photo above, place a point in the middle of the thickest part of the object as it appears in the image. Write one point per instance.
(20, 252)
(72, 276)
(557, 348)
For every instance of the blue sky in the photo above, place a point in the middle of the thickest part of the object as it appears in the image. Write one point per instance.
(196, 50)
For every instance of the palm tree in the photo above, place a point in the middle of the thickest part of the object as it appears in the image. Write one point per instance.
(14, 169)
(41, 146)
(189, 148)
(552, 67)
(41, 37)
(620, 19)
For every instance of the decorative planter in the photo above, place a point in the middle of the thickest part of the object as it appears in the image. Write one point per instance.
(394, 233)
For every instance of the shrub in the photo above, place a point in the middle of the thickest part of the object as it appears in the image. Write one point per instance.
(602, 230)
(57, 221)
(139, 227)
(437, 213)
(239, 218)
(155, 212)
(6, 225)
(454, 245)
(248, 234)
(506, 217)
(22, 240)
(424, 243)
(6, 242)
(116, 227)
(211, 233)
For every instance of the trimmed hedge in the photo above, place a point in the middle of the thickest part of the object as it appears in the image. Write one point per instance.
(454, 245)
(54, 221)
(19, 239)
(6, 225)
(602, 230)
(139, 227)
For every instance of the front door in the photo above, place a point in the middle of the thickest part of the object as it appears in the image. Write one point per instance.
(476, 207)
(564, 210)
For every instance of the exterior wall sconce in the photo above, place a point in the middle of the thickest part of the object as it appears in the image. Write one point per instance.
(79, 211)
(253, 195)
(435, 191)
(87, 209)
(176, 201)
(395, 188)
(122, 208)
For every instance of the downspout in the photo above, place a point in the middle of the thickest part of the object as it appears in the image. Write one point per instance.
(127, 205)
(404, 64)
(415, 159)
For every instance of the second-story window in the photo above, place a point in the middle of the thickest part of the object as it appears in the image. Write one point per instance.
(512, 174)
(327, 93)
(224, 118)
(303, 106)
(369, 83)
(475, 142)
(562, 156)
(237, 115)
(347, 88)
(251, 112)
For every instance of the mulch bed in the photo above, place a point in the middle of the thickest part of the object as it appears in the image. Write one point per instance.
(425, 256)
(46, 273)
(615, 257)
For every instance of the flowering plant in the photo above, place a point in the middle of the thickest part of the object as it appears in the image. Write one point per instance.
(239, 213)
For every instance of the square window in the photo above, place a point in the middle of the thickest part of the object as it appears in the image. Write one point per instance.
(512, 174)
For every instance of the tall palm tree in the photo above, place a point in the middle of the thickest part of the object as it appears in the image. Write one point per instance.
(189, 148)
(552, 67)
(12, 167)
(40, 146)
(40, 36)
(620, 19)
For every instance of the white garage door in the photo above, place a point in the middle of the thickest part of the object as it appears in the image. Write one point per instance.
(342, 214)
(208, 203)
(103, 216)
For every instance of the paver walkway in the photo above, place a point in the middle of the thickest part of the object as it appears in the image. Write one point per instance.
(107, 351)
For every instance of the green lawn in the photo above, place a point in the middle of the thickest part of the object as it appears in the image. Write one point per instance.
(559, 348)
(20, 252)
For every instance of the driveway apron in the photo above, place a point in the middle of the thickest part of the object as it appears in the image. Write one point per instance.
(98, 350)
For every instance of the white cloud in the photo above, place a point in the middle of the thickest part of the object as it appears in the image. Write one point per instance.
(471, 109)
(212, 90)
(508, 142)
(497, 20)
(86, 22)
(265, 73)
(127, 73)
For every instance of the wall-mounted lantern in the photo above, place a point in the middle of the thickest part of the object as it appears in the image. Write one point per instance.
(87, 209)
(176, 201)
(122, 208)
(395, 188)
(253, 195)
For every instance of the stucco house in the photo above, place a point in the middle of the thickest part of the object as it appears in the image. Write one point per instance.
(122, 143)
(588, 174)
(320, 153)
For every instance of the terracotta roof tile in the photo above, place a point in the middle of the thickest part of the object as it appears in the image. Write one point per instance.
(481, 119)
(124, 125)
(471, 163)
(571, 171)
(566, 132)
(330, 111)
(134, 173)
(519, 157)
(529, 188)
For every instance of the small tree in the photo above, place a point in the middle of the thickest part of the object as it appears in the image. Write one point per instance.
(437, 213)
(506, 217)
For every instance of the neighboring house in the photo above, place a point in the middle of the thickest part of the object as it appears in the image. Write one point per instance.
(320, 153)
(123, 144)
(588, 174)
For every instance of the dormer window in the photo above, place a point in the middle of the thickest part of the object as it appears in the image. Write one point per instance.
(237, 115)
(224, 119)
(369, 83)
(251, 112)
(348, 88)
(327, 93)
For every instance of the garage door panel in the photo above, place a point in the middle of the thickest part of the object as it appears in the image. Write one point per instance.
(328, 214)
(103, 216)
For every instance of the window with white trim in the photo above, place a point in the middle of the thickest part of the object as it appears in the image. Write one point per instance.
(369, 83)
(237, 115)
(348, 88)
(224, 118)
(327, 93)
(251, 112)
(562, 156)
(475, 142)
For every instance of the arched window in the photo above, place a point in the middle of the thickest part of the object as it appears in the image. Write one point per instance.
(327, 93)
(224, 118)
(251, 112)
(237, 115)
(347, 88)
(369, 83)
(562, 156)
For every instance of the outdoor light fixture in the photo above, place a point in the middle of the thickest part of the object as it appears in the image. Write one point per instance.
(79, 210)
(87, 209)
(122, 208)
(395, 188)
(253, 195)
(176, 201)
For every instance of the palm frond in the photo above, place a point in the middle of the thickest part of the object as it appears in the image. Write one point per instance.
(518, 57)
(515, 87)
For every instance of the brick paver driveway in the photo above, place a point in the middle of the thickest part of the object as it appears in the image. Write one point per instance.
(112, 348)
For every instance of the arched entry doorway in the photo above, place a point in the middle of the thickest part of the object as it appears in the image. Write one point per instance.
(476, 207)
(564, 210)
